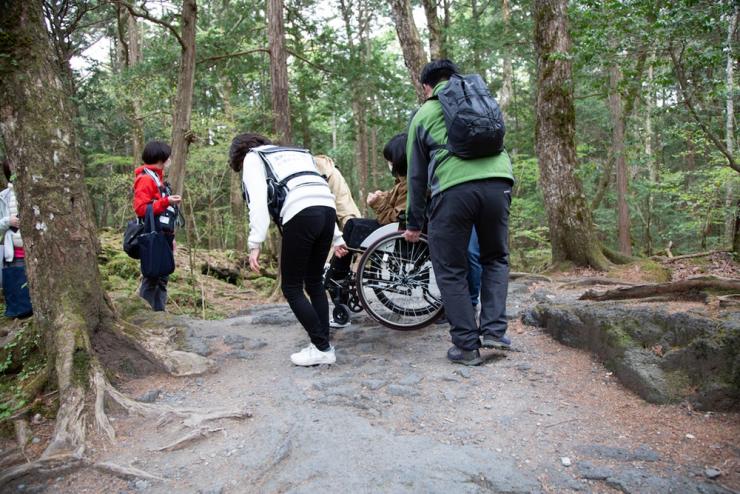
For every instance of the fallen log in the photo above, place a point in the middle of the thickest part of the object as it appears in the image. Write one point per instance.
(225, 273)
(675, 287)
(697, 254)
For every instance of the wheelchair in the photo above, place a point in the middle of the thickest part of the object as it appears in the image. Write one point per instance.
(393, 281)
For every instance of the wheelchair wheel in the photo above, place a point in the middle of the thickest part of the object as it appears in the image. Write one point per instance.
(396, 284)
(341, 314)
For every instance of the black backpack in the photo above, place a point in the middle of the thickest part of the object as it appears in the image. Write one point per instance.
(475, 125)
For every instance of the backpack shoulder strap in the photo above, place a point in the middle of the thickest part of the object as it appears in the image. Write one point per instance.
(154, 177)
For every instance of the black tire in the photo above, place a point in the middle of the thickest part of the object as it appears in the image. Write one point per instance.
(395, 283)
(341, 314)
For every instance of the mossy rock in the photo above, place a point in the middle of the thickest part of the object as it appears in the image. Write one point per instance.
(647, 271)
(662, 356)
(264, 285)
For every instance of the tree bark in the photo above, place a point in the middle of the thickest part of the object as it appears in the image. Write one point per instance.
(437, 50)
(730, 212)
(617, 148)
(572, 233)
(653, 171)
(413, 51)
(279, 71)
(134, 58)
(507, 84)
(70, 306)
(181, 134)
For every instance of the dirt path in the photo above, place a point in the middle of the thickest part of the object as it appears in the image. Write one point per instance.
(394, 416)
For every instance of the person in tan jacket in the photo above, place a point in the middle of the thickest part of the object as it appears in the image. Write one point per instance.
(346, 207)
(387, 206)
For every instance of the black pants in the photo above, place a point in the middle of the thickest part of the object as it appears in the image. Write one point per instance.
(485, 205)
(354, 232)
(307, 238)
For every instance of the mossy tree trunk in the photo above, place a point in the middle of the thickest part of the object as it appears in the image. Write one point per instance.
(71, 308)
(572, 232)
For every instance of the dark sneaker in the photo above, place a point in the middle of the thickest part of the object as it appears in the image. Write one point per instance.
(489, 341)
(465, 357)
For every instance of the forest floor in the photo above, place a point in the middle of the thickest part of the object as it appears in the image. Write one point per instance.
(393, 415)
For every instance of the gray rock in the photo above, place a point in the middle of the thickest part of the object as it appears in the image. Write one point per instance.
(256, 345)
(524, 367)
(451, 378)
(234, 340)
(410, 380)
(141, 485)
(345, 391)
(712, 473)
(636, 481)
(240, 354)
(374, 384)
(398, 390)
(590, 471)
(529, 318)
(641, 453)
(543, 296)
(463, 372)
(213, 490)
(197, 345)
(398, 463)
(449, 395)
(150, 396)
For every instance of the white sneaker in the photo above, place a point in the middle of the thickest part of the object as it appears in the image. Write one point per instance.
(313, 356)
(334, 324)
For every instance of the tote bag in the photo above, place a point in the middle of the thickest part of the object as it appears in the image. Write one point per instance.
(157, 259)
(15, 289)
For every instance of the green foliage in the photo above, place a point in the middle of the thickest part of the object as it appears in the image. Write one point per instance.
(22, 362)
(338, 58)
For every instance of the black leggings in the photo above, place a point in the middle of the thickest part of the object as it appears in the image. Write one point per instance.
(307, 238)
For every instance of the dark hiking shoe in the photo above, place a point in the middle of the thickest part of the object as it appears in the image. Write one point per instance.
(501, 343)
(465, 357)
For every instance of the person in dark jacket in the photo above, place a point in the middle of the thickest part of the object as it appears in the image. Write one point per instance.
(465, 193)
(150, 188)
(387, 206)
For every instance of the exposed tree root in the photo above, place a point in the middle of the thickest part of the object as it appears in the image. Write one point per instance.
(63, 464)
(617, 257)
(676, 288)
(515, 275)
(66, 452)
(575, 283)
(189, 438)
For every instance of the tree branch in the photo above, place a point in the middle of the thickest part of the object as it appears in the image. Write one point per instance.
(216, 58)
(150, 18)
(682, 87)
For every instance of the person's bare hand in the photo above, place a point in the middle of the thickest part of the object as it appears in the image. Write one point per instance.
(412, 235)
(254, 260)
(14, 221)
(175, 199)
(341, 250)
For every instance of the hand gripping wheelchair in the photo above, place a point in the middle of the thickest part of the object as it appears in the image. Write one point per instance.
(393, 281)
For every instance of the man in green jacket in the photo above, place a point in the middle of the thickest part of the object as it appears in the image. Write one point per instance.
(464, 193)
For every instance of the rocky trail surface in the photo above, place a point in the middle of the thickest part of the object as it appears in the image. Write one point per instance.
(394, 416)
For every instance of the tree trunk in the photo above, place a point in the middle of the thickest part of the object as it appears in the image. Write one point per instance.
(134, 58)
(617, 114)
(413, 51)
(507, 85)
(437, 50)
(572, 232)
(236, 199)
(730, 212)
(70, 306)
(651, 160)
(279, 72)
(181, 134)
(361, 152)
